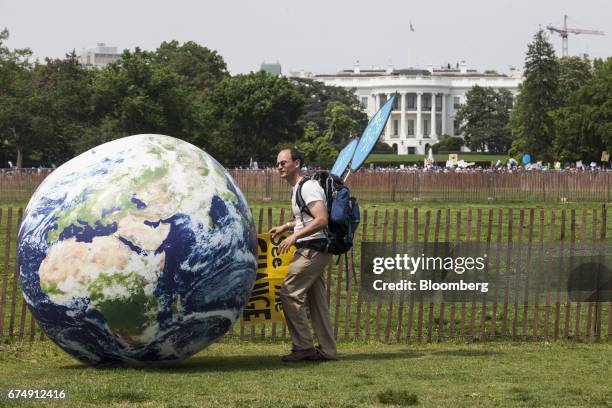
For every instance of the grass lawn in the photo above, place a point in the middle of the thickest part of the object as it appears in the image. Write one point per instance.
(235, 374)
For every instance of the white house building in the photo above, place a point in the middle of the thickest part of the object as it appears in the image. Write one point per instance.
(427, 99)
(98, 57)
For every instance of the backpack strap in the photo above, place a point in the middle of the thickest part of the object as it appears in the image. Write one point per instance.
(299, 200)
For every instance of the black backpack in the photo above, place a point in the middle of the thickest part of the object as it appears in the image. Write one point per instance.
(342, 209)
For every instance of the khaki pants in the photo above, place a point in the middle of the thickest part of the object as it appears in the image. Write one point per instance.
(303, 286)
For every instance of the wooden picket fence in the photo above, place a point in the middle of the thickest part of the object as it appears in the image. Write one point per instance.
(396, 186)
(403, 186)
(408, 317)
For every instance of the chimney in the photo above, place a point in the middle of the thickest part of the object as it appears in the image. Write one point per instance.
(356, 69)
(463, 67)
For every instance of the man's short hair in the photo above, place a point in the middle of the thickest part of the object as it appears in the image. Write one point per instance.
(297, 155)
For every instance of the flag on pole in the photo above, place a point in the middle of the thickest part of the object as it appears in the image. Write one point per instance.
(411, 27)
(371, 134)
(344, 158)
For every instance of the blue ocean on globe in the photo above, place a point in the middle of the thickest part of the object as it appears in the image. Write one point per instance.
(139, 251)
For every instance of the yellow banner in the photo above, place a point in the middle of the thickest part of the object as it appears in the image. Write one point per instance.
(272, 266)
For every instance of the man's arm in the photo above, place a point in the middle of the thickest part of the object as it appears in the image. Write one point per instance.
(319, 222)
(279, 229)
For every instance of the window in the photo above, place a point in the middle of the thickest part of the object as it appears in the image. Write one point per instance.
(411, 101)
(455, 127)
(410, 127)
(395, 128)
(426, 127)
(364, 102)
(438, 127)
(456, 102)
(383, 99)
(411, 150)
(396, 103)
(438, 103)
(426, 102)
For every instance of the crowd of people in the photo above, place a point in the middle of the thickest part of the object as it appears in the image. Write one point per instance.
(459, 166)
(464, 167)
(512, 166)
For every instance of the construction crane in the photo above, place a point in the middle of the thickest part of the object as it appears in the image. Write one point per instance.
(563, 32)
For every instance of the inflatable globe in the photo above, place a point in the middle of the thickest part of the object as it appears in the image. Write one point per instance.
(139, 251)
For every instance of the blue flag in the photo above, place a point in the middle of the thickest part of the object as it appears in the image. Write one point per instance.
(344, 158)
(371, 134)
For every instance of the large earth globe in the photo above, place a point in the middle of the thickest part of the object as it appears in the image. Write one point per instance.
(139, 251)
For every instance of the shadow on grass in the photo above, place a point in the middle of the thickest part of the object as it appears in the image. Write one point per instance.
(467, 353)
(252, 363)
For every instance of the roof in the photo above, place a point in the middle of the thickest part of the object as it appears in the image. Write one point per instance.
(380, 72)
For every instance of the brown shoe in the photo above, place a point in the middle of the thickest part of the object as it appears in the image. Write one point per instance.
(321, 356)
(300, 355)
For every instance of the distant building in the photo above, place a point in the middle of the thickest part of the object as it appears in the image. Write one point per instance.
(427, 100)
(98, 57)
(271, 68)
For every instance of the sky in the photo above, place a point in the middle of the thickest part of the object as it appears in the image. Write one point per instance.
(319, 36)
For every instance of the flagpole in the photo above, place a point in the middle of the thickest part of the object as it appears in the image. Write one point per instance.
(347, 176)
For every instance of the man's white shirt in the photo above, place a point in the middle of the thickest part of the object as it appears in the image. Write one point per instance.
(311, 192)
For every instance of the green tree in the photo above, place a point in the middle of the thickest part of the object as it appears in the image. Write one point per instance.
(138, 95)
(484, 119)
(251, 116)
(448, 144)
(317, 148)
(64, 117)
(531, 124)
(17, 101)
(320, 149)
(199, 67)
(340, 124)
(584, 125)
(383, 148)
(573, 73)
(318, 97)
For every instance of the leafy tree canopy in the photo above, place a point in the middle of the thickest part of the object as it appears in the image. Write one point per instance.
(584, 125)
(573, 73)
(251, 115)
(318, 149)
(199, 67)
(17, 107)
(448, 144)
(539, 94)
(318, 97)
(141, 96)
(484, 119)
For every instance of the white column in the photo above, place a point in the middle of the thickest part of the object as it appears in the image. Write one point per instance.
(444, 97)
(432, 133)
(389, 121)
(376, 103)
(403, 116)
(372, 105)
(419, 124)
